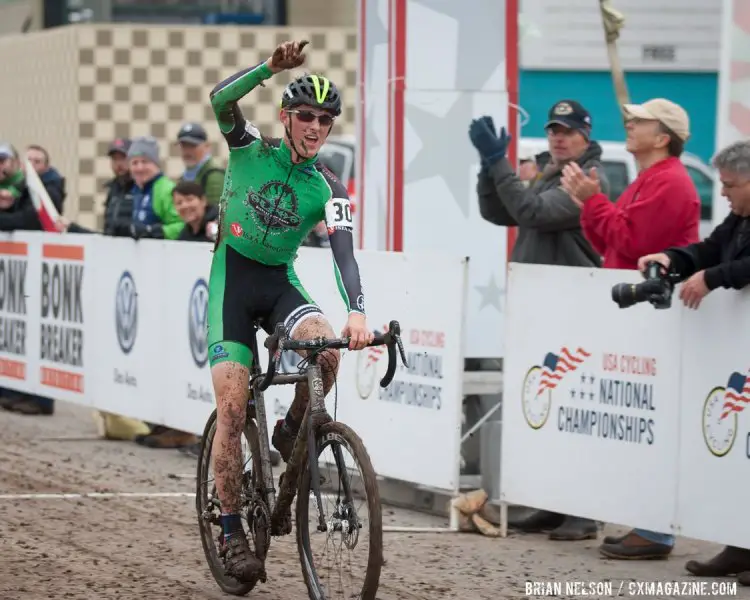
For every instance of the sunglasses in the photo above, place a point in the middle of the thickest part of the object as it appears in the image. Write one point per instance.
(307, 116)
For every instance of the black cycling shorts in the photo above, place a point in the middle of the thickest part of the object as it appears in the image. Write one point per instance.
(241, 291)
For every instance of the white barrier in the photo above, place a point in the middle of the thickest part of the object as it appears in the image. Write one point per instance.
(122, 329)
(616, 414)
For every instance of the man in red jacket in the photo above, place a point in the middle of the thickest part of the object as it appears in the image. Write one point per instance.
(661, 208)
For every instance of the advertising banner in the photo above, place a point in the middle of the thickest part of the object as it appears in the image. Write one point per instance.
(66, 315)
(592, 395)
(130, 329)
(19, 339)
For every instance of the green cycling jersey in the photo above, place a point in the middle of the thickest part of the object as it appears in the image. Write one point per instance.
(270, 204)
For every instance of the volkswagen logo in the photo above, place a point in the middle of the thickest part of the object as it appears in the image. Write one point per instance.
(197, 323)
(126, 312)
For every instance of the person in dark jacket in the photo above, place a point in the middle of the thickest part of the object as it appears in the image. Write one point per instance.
(722, 260)
(549, 230)
(16, 207)
(50, 177)
(118, 206)
(548, 221)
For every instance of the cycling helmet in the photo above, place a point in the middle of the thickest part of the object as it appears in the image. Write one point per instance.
(313, 90)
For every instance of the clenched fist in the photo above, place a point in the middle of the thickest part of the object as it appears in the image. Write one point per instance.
(287, 56)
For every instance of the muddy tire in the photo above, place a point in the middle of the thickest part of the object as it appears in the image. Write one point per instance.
(208, 531)
(328, 435)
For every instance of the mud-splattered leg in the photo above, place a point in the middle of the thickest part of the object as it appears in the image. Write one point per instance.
(230, 385)
(313, 327)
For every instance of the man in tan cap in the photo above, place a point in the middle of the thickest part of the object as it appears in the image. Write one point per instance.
(660, 209)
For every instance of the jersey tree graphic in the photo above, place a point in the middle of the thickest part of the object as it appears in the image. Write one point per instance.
(275, 206)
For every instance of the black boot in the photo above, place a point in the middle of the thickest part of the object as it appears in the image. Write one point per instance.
(541, 520)
(730, 561)
(575, 528)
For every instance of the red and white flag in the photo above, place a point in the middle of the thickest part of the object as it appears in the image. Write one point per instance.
(45, 209)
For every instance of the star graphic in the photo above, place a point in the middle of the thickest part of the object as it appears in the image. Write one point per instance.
(452, 162)
(583, 378)
(591, 396)
(583, 394)
(491, 294)
(572, 393)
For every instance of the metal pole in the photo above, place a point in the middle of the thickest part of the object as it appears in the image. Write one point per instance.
(481, 421)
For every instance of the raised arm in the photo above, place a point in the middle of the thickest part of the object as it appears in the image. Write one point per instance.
(224, 97)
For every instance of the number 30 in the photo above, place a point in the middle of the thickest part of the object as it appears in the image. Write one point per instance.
(343, 212)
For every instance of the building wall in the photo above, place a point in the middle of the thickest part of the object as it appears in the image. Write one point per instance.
(14, 15)
(38, 103)
(77, 88)
(322, 13)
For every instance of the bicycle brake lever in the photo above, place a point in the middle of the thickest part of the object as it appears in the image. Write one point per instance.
(401, 351)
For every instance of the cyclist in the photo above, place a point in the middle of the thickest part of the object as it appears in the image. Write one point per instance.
(274, 194)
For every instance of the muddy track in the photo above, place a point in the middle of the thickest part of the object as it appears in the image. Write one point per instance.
(135, 548)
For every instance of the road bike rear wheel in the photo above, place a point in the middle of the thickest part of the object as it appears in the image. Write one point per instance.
(209, 512)
(346, 521)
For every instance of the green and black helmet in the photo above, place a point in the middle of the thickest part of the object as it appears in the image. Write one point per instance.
(313, 90)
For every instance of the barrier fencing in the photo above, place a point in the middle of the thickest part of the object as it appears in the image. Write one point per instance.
(631, 416)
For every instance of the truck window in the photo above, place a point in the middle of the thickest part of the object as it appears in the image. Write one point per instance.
(617, 175)
(337, 160)
(705, 186)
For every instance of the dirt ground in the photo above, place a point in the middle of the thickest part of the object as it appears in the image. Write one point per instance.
(134, 548)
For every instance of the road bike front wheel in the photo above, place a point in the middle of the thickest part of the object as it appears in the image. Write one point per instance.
(353, 519)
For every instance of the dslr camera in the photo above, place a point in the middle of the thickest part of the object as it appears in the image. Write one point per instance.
(656, 289)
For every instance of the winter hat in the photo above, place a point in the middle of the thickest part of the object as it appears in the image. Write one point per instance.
(147, 147)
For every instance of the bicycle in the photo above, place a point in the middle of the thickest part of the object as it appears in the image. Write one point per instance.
(266, 514)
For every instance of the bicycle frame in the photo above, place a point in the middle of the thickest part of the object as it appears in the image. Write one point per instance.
(315, 415)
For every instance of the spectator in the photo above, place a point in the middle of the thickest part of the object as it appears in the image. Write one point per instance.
(660, 209)
(200, 166)
(549, 229)
(548, 220)
(17, 212)
(16, 207)
(199, 217)
(53, 182)
(154, 214)
(720, 261)
(118, 206)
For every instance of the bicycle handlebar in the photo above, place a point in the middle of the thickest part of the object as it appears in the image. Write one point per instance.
(279, 341)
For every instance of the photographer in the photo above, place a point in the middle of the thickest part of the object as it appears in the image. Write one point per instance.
(722, 259)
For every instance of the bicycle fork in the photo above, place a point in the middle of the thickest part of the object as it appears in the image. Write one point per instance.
(265, 450)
